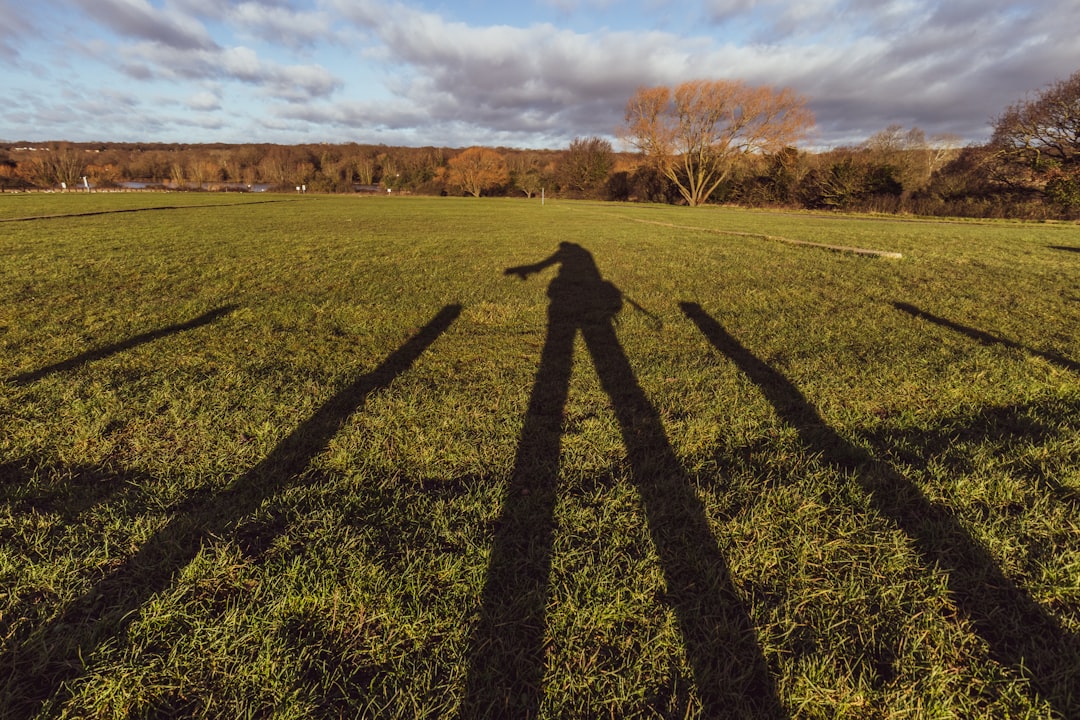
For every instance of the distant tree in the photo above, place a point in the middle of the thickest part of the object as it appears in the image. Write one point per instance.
(228, 164)
(247, 157)
(417, 169)
(364, 166)
(9, 175)
(586, 165)
(839, 183)
(898, 153)
(696, 133)
(530, 182)
(204, 171)
(965, 184)
(303, 171)
(389, 171)
(530, 170)
(149, 165)
(912, 158)
(477, 170)
(107, 175)
(772, 179)
(1037, 143)
(895, 139)
(274, 167)
(60, 164)
(178, 174)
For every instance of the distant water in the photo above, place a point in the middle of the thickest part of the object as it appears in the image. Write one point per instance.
(257, 187)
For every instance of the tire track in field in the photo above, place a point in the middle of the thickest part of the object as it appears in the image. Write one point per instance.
(763, 236)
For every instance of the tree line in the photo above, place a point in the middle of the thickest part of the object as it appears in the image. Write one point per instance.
(576, 171)
(724, 141)
(705, 141)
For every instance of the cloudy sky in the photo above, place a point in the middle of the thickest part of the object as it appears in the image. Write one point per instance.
(516, 73)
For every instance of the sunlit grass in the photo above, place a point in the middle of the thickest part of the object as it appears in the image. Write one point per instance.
(230, 486)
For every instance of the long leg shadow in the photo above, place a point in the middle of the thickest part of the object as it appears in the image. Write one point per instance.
(986, 338)
(1020, 632)
(507, 650)
(137, 210)
(37, 669)
(1014, 426)
(1066, 248)
(132, 342)
(79, 488)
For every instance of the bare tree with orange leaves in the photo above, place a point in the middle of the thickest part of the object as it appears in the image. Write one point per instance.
(478, 169)
(695, 133)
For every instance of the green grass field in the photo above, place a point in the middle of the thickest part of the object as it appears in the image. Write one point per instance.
(320, 457)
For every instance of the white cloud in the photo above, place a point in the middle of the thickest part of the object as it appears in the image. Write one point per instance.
(273, 21)
(572, 6)
(240, 62)
(283, 25)
(412, 73)
(140, 19)
(721, 10)
(204, 101)
(536, 79)
(289, 82)
(16, 25)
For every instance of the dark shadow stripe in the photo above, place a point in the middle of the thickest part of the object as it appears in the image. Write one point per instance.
(986, 338)
(41, 666)
(508, 646)
(133, 342)
(1020, 632)
(120, 211)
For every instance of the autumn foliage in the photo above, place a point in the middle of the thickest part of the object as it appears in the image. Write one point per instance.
(1037, 143)
(698, 142)
(478, 169)
(696, 133)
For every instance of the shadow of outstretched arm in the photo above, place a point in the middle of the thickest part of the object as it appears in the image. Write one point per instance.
(524, 271)
(37, 668)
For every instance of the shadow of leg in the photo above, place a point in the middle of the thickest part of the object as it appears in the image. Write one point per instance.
(986, 338)
(730, 671)
(130, 343)
(1020, 632)
(506, 653)
(37, 668)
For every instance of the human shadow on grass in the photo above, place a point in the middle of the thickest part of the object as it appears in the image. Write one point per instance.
(122, 211)
(986, 338)
(507, 648)
(1010, 429)
(36, 668)
(28, 486)
(132, 342)
(1019, 632)
(1006, 424)
(1065, 248)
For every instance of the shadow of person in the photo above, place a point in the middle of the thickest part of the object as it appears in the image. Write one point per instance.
(986, 338)
(37, 667)
(132, 342)
(507, 647)
(1019, 631)
(1014, 428)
